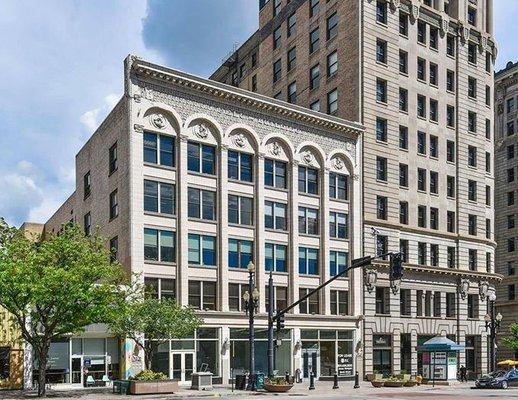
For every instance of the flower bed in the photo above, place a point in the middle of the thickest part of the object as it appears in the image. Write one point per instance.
(149, 382)
(277, 385)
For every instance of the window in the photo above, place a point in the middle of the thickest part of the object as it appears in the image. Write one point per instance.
(405, 301)
(403, 137)
(254, 83)
(434, 146)
(403, 24)
(337, 262)
(240, 210)
(403, 99)
(314, 7)
(292, 58)
(421, 106)
(5, 362)
(472, 259)
(421, 179)
(403, 62)
(472, 190)
(338, 226)
(381, 245)
(275, 173)
(403, 212)
(381, 205)
(308, 221)
(338, 186)
(450, 151)
(314, 77)
(510, 221)
(434, 38)
(381, 11)
(240, 253)
(292, 24)
(472, 156)
(403, 249)
(451, 257)
(308, 180)
(450, 221)
(450, 81)
(381, 169)
(437, 304)
(201, 204)
(450, 116)
(114, 248)
(159, 245)
(275, 257)
(292, 93)
(311, 304)
(277, 70)
(381, 51)
(472, 121)
(159, 149)
(202, 295)
(434, 110)
(421, 253)
(488, 96)
(472, 87)
(114, 204)
(472, 224)
(510, 128)
(242, 70)
(381, 129)
(450, 45)
(159, 197)
(434, 182)
(87, 184)
(488, 162)
(332, 101)
(510, 105)
(510, 175)
(510, 245)
(472, 16)
(382, 300)
(202, 250)
(472, 53)
(160, 288)
(510, 198)
(511, 269)
(433, 74)
(421, 32)
(472, 306)
(87, 221)
(421, 216)
(240, 166)
(314, 40)
(235, 296)
(332, 63)
(339, 302)
(332, 26)
(275, 215)
(450, 305)
(434, 255)
(277, 5)
(315, 106)
(308, 261)
(254, 59)
(511, 292)
(201, 158)
(488, 228)
(489, 62)
(381, 90)
(280, 298)
(434, 218)
(403, 175)
(421, 69)
(112, 159)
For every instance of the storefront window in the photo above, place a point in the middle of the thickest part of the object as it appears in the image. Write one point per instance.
(382, 354)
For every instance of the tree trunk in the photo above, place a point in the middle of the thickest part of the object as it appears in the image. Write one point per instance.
(42, 368)
(148, 354)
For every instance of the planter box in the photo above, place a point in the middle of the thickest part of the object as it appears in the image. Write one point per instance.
(153, 387)
(394, 383)
(410, 383)
(377, 384)
(277, 388)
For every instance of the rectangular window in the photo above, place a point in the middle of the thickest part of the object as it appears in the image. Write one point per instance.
(381, 245)
(510, 175)
(421, 179)
(275, 215)
(511, 292)
(337, 262)
(434, 146)
(403, 24)
(332, 102)
(310, 305)
(472, 121)
(201, 204)
(403, 99)
(235, 296)
(472, 16)
(87, 221)
(5, 362)
(450, 151)
(472, 259)
(202, 250)
(403, 212)
(405, 301)
(314, 77)
(338, 225)
(488, 96)
(292, 58)
(450, 186)
(314, 7)
(87, 184)
(472, 156)
(434, 38)
(421, 69)
(403, 137)
(314, 40)
(403, 62)
(382, 300)
(421, 106)
(434, 110)
(159, 245)
(332, 63)
(292, 93)
(332, 26)
(434, 182)
(240, 253)
(450, 305)
(292, 24)
(275, 257)
(403, 249)
(510, 128)
(339, 302)
(450, 116)
(510, 105)
(308, 221)
(277, 70)
(421, 216)
(433, 75)
(403, 175)
(201, 158)
(450, 81)
(381, 90)
(472, 306)
(381, 11)
(381, 51)
(450, 45)
(472, 87)
(308, 261)
(421, 32)
(280, 297)
(112, 159)
(488, 162)
(450, 221)
(240, 166)
(421, 253)
(114, 248)
(511, 269)
(240, 210)
(381, 206)
(472, 190)
(275, 173)
(160, 288)
(338, 186)
(114, 204)
(381, 129)
(159, 197)
(277, 36)
(472, 224)
(277, 6)
(434, 255)
(472, 53)
(159, 149)
(510, 198)
(510, 221)
(202, 295)
(451, 257)
(315, 106)
(510, 245)
(308, 180)
(381, 169)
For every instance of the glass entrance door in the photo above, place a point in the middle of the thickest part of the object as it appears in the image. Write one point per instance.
(182, 366)
(77, 370)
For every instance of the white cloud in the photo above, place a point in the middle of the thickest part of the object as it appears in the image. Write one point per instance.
(89, 119)
(111, 100)
(42, 212)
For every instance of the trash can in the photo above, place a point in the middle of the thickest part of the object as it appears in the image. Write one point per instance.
(240, 382)
(259, 380)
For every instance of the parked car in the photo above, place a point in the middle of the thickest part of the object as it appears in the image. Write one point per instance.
(498, 379)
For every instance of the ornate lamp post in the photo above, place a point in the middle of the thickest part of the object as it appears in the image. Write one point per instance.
(251, 303)
(492, 324)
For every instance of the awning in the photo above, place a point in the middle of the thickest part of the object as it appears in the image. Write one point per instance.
(439, 343)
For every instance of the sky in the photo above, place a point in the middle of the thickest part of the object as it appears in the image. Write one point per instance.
(61, 63)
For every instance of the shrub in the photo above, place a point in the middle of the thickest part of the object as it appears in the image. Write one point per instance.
(148, 375)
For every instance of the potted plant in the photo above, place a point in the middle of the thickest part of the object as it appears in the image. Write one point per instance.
(277, 385)
(149, 382)
(394, 381)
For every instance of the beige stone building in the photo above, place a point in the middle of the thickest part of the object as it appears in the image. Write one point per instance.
(419, 76)
(191, 179)
(506, 148)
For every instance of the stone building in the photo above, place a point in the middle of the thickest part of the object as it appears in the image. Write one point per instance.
(506, 151)
(190, 180)
(419, 76)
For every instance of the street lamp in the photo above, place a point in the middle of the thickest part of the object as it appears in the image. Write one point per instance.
(492, 324)
(251, 303)
(371, 277)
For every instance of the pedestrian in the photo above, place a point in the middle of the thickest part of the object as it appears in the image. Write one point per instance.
(463, 374)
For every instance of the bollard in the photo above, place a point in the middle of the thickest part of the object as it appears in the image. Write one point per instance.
(298, 379)
(357, 380)
(335, 381)
(287, 377)
(311, 381)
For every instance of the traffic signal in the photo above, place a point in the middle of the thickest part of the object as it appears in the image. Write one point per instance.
(280, 322)
(396, 266)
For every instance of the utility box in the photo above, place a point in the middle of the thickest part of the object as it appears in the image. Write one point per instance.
(201, 381)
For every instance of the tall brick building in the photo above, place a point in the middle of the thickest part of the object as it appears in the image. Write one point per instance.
(419, 76)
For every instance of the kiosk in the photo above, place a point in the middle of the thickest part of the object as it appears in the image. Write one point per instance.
(440, 356)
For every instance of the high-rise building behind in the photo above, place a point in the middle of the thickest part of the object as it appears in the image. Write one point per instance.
(419, 76)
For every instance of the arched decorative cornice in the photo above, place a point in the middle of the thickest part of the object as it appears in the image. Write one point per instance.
(281, 137)
(170, 113)
(249, 131)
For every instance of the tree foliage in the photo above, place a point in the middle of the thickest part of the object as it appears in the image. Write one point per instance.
(511, 341)
(150, 321)
(57, 286)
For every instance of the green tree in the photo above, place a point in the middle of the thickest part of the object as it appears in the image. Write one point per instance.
(511, 341)
(149, 322)
(57, 286)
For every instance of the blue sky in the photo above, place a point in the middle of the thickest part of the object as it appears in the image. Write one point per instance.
(61, 63)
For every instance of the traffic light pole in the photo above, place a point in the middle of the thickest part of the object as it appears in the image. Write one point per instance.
(358, 263)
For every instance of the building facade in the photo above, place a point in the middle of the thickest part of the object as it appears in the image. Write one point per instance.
(190, 180)
(506, 107)
(419, 76)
